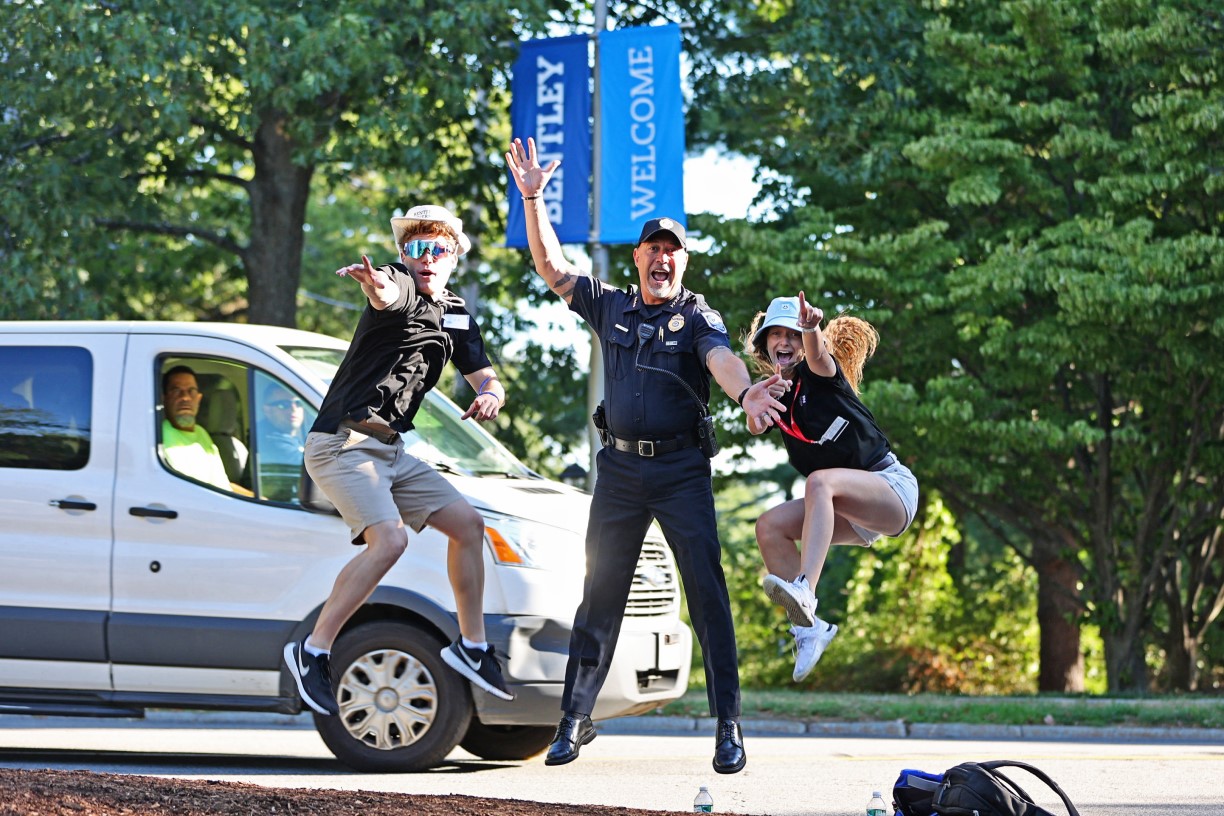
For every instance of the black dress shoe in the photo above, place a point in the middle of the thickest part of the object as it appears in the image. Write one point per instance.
(729, 756)
(575, 731)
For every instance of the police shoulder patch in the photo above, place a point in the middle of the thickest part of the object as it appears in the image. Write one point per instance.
(714, 321)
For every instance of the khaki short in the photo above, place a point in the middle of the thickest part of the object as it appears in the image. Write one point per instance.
(371, 482)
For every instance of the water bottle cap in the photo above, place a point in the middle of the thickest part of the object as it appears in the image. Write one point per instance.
(704, 788)
(875, 793)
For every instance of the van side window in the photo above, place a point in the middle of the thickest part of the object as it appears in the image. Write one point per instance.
(202, 429)
(281, 419)
(46, 395)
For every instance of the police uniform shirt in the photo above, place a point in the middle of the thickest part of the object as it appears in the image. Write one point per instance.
(813, 404)
(649, 404)
(397, 355)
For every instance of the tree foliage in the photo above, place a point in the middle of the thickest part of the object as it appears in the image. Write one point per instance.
(1023, 197)
(176, 146)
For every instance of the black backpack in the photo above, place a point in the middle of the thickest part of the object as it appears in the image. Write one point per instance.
(972, 789)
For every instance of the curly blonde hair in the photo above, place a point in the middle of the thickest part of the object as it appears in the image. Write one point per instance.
(851, 340)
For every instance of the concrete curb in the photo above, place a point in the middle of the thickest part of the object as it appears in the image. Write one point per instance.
(681, 726)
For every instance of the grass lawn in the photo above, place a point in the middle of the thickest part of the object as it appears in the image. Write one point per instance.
(1167, 712)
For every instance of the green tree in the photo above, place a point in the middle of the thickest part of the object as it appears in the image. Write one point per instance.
(151, 147)
(1023, 198)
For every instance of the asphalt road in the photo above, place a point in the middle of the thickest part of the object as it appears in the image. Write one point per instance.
(641, 763)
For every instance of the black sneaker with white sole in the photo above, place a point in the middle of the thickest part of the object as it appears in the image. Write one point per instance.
(480, 667)
(312, 673)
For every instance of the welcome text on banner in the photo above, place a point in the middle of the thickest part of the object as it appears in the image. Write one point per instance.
(642, 124)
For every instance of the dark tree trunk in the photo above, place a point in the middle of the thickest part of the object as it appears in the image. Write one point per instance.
(279, 192)
(1125, 667)
(1058, 609)
(1181, 662)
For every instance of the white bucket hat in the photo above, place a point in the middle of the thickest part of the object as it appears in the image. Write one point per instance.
(410, 222)
(783, 311)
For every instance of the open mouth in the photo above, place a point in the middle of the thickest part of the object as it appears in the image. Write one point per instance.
(660, 276)
(784, 358)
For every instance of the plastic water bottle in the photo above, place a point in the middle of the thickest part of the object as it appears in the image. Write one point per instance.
(704, 803)
(876, 806)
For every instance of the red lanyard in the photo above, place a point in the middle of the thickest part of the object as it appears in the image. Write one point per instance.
(792, 428)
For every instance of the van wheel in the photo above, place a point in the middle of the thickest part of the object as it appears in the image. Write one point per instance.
(506, 741)
(402, 709)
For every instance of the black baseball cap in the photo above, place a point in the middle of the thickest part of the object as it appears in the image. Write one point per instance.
(663, 225)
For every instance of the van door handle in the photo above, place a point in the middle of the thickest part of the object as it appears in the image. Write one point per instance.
(153, 512)
(73, 504)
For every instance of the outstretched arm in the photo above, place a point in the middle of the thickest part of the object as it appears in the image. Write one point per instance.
(550, 263)
(378, 288)
(732, 376)
(815, 351)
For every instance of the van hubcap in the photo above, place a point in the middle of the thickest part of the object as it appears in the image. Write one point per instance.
(388, 699)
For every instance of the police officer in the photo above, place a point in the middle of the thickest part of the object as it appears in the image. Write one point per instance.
(661, 343)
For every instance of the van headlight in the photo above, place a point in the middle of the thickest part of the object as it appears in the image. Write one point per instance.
(516, 542)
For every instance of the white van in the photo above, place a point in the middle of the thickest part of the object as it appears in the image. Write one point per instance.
(125, 585)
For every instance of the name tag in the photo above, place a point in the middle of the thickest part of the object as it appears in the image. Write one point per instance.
(456, 321)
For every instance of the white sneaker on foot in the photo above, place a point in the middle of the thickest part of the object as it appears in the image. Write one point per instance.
(810, 643)
(793, 596)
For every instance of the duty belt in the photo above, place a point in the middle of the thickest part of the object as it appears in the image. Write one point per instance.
(652, 447)
(380, 432)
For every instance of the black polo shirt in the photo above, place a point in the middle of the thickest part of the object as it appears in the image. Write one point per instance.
(650, 404)
(397, 355)
(813, 403)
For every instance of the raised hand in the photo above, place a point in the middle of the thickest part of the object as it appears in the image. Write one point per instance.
(525, 168)
(809, 316)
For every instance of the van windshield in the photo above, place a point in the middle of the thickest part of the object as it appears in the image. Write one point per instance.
(440, 437)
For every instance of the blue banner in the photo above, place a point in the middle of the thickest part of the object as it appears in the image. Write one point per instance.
(551, 102)
(642, 124)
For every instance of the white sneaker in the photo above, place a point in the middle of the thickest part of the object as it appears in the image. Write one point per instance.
(793, 596)
(810, 643)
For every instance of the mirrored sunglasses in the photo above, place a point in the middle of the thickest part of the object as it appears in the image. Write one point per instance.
(417, 249)
(286, 403)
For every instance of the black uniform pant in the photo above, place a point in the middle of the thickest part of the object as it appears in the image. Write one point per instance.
(631, 491)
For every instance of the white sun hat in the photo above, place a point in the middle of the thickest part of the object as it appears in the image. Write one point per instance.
(783, 311)
(412, 221)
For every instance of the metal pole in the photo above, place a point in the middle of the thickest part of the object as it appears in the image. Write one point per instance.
(599, 253)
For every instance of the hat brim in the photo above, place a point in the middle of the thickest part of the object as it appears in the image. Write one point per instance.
(678, 239)
(785, 321)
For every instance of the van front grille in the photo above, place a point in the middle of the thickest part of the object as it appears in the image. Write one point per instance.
(655, 590)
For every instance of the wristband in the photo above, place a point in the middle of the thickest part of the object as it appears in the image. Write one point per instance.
(808, 329)
(531, 198)
(480, 392)
(740, 399)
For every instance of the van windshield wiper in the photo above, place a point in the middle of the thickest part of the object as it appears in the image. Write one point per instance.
(445, 467)
(506, 474)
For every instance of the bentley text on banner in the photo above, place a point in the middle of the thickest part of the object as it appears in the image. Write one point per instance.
(551, 101)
